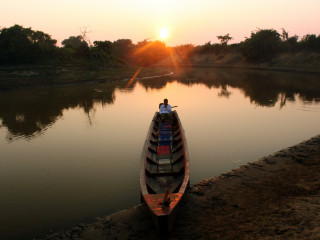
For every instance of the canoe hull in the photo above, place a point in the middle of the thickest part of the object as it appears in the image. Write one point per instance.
(161, 172)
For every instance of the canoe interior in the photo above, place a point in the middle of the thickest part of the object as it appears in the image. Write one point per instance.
(165, 157)
(164, 167)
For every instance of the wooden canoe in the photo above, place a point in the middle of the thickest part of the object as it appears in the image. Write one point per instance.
(164, 168)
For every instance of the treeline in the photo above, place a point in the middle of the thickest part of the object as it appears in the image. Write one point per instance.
(262, 45)
(19, 45)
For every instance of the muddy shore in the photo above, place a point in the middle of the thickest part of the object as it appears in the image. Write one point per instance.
(275, 197)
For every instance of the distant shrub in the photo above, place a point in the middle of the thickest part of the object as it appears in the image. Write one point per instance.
(262, 45)
(23, 45)
(310, 41)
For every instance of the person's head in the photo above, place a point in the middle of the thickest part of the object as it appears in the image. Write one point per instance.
(165, 101)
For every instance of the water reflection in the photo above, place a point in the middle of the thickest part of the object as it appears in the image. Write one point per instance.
(74, 172)
(28, 113)
(264, 88)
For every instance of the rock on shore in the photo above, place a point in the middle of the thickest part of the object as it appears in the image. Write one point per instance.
(275, 197)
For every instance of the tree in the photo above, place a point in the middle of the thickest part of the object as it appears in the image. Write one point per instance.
(310, 41)
(102, 51)
(84, 31)
(23, 45)
(76, 47)
(224, 39)
(149, 52)
(105, 46)
(289, 43)
(284, 35)
(185, 51)
(122, 48)
(262, 45)
(45, 45)
(72, 42)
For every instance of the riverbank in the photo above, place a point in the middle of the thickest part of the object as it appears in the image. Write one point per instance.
(305, 62)
(29, 76)
(17, 77)
(275, 197)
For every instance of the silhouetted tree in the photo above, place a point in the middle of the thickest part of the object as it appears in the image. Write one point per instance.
(150, 52)
(23, 45)
(262, 45)
(122, 48)
(289, 44)
(310, 41)
(102, 51)
(284, 35)
(185, 51)
(208, 48)
(105, 46)
(75, 47)
(224, 39)
(84, 32)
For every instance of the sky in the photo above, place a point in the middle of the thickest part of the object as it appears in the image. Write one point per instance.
(187, 21)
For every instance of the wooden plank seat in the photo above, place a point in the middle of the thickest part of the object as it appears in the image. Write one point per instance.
(177, 157)
(161, 184)
(153, 143)
(163, 150)
(152, 148)
(165, 168)
(176, 148)
(176, 133)
(152, 159)
(164, 143)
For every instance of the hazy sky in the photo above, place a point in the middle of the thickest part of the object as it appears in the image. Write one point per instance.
(188, 21)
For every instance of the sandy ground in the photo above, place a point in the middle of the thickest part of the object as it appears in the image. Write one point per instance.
(276, 197)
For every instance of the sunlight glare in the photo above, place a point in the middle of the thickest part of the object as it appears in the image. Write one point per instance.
(163, 33)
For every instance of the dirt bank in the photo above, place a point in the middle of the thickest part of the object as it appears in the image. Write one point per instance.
(17, 77)
(275, 197)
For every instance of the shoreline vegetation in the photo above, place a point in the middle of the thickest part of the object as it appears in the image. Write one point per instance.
(32, 58)
(46, 75)
(17, 77)
(275, 197)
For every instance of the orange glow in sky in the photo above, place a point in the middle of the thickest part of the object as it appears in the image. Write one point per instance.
(163, 33)
(189, 21)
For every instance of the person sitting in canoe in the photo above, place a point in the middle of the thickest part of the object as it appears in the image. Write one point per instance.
(165, 110)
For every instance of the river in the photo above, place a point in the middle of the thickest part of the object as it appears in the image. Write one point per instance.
(71, 153)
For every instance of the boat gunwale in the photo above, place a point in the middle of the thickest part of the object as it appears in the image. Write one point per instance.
(186, 178)
(143, 180)
(186, 164)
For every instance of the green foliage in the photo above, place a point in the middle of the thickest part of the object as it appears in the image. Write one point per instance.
(102, 52)
(262, 45)
(76, 47)
(44, 43)
(122, 48)
(291, 44)
(310, 41)
(184, 51)
(72, 42)
(208, 48)
(23, 45)
(104, 46)
(224, 39)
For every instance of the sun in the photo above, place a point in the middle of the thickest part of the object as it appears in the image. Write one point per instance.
(163, 33)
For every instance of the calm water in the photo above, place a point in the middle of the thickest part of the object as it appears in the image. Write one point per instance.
(70, 154)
